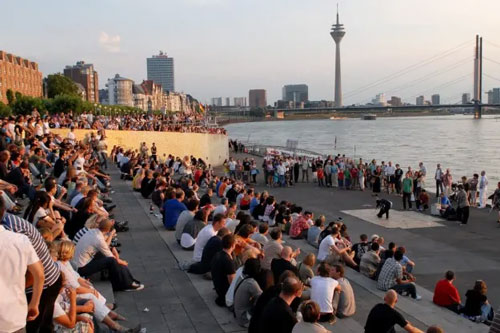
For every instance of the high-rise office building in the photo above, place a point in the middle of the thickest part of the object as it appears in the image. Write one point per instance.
(379, 100)
(466, 98)
(228, 101)
(240, 101)
(85, 75)
(19, 75)
(161, 71)
(420, 100)
(296, 93)
(435, 99)
(257, 98)
(494, 96)
(217, 101)
(396, 101)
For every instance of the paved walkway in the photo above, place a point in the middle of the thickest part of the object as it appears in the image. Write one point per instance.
(169, 302)
(181, 302)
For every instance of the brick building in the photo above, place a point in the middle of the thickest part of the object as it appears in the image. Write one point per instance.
(19, 75)
(257, 98)
(85, 75)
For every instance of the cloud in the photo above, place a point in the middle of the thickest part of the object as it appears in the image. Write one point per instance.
(110, 43)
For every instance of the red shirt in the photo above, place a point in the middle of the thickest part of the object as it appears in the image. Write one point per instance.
(445, 294)
(298, 226)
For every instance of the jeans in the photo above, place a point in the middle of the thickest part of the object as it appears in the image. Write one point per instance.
(119, 275)
(406, 198)
(439, 186)
(305, 174)
(406, 287)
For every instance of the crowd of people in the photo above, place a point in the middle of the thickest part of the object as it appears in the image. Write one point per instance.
(237, 239)
(15, 127)
(58, 233)
(454, 198)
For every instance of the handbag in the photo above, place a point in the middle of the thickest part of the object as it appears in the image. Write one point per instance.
(412, 198)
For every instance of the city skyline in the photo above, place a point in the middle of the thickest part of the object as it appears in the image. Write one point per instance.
(219, 50)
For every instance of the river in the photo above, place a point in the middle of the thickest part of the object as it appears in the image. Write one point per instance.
(460, 143)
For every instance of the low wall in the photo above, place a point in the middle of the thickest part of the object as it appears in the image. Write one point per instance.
(213, 148)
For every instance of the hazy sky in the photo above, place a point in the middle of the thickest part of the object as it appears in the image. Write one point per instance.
(226, 47)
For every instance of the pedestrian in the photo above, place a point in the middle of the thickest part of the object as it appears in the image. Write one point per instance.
(407, 191)
(438, 176)
(462, 205)
(483, 189)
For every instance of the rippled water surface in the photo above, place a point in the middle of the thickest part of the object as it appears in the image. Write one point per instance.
(458, 142)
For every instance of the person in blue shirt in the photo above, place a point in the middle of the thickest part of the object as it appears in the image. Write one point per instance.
(254, 202)
(172, 209)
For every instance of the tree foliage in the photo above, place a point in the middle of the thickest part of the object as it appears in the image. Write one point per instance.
(10, 96)
(5, 110)
(58, 84)
(25, 104)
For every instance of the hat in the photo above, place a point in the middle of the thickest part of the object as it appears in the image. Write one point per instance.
(374, 236)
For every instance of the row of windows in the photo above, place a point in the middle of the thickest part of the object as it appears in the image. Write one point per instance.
(21, 72)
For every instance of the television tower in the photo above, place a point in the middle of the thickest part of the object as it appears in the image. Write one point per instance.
(337, 34)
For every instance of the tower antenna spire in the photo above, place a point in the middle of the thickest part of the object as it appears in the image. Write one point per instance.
(337, 13)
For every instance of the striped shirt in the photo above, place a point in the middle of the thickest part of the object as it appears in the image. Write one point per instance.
(21, 226)
(80, 234)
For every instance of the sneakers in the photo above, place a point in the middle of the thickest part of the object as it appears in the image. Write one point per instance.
(418, 297)
(136, 286)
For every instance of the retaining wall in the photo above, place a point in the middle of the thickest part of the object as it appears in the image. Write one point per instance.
(213, 148)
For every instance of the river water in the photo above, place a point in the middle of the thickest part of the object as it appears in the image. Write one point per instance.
(460, 143)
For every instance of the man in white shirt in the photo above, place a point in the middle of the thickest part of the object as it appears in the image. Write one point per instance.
(17, 256)
(438, 176)
(205, 234)
(323, 288)
(222, 208)
(93, 254)
(483, 189)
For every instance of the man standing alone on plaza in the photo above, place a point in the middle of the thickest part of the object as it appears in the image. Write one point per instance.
(462, 205)
(438, 176)
(483, 189)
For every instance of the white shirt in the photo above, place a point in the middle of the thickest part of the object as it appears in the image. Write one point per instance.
(390, 170)
(220, 209)
(232, 165)
(204, 235)
(231, 224)
(78, 164)
(70, 275)
(16, 253)
(40, 214)
(324, 247)
(322, 289)
(91, 242)
(71, 136)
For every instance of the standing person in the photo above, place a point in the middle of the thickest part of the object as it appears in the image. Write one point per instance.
(398, 177)
(483, 189)
(390, 172)
(447, 182)
(377, 179)
(154, 155)
(53, 280)
(383, 317)
(407, 190)
(361, 177)
(17, 256)
(495, 203)
(438, 176)
(462, 205)
(423, 172)
(305, 169)
(473, 182)
(296, 171)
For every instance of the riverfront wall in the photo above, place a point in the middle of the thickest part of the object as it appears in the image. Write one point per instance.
(213, 148)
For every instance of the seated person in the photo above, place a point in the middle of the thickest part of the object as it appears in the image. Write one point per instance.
(344, 302)
(383, 317)
(406, 263)
(360, 248)
(279, 265)
(370, 261)
(314, 231)
(213, 246)
(84, 289)
(305, 268)
(192, 228)
(261, 236)
(310, 315)
(223, 269)
(93, 254)
(446, 294)
(68, 316)
(247, 291)
(299, 227)
(477, 308)
(323, 288)
(391, 277)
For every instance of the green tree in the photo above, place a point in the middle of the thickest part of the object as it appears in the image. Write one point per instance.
(10, 96)
(18, 95)
(65, 103)
(25, 104)
(58, 84)
(5, 110)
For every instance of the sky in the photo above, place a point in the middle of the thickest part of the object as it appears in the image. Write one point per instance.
(223, 48)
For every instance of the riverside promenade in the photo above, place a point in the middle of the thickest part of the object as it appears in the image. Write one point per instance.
(174, 301)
